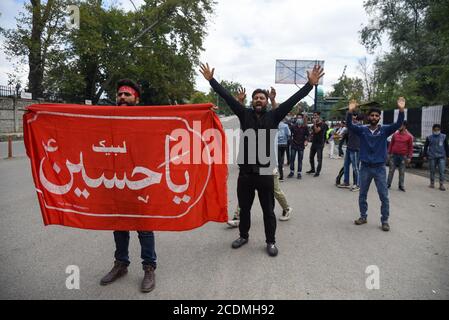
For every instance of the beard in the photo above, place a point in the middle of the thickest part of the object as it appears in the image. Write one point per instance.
(374, 122)
(259, 108)
(125, 103)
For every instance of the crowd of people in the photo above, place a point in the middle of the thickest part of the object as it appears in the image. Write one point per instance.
(366, 152)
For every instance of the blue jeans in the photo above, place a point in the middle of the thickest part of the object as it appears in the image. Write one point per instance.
(293, 152)
(352, 158)
(379, 174)
(433, 163)
(146, 238)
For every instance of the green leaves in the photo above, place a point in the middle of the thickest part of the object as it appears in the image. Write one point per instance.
(416, 67)
(158, 45)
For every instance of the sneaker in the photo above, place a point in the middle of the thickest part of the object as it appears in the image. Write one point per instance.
(432, 185)
(310, 171)
(234, 223)
(344, 186)
(281, 179)
(402, 189)
(272, 250)
(385, 226)
(299, 176)
(286, 214)
(442, 188)
(355, 188)
(360, 221)
(291, 174)
(239, 242)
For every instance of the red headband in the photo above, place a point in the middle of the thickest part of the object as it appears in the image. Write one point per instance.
(129, 90)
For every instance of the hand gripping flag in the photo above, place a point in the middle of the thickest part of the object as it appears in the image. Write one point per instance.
(127, 168)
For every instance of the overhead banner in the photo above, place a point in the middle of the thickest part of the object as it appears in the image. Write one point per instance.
(127, 168)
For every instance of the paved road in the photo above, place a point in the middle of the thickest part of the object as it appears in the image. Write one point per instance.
(322, 254)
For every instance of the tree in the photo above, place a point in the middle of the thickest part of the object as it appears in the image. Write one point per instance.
(39, 32)
(157, 45)
(418, 64)
(223, 107)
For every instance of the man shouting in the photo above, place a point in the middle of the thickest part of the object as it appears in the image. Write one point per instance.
(262, 123)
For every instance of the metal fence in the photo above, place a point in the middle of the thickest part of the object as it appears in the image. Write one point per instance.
(8, 91)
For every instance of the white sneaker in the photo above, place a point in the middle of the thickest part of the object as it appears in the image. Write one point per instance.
(234, 223)
(286, 215)
(355, 188)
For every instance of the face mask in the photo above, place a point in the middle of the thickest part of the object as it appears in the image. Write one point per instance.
(300, 122)
(437, 133)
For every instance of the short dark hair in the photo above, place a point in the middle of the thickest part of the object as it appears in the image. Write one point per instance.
(129, 83)
(436, 126)
(259, 91)
(317, 112)
(374, 110)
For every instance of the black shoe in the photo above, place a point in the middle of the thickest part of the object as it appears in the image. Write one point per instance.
(291, 174)
(272, 250)
(385, 226)
(389, 186)
(281, 179)
(239, 242)
(360, 221)
(316, 175)
(299, 176)
(402, 189)
(310, 171)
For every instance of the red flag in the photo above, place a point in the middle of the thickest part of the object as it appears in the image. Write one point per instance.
(127, 168)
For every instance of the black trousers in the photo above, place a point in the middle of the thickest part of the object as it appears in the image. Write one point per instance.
(341, 153)
(316, 150)
(282, 150)
(247, 185)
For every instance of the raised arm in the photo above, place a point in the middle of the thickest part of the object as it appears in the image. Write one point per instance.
(354, 128)
(235, 106)
(285, 107)
(401, 116)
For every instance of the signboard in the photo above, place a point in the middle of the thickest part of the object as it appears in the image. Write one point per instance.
(295, 71)
(26, 95)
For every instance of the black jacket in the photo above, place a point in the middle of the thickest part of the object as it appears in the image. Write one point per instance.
(268, 120)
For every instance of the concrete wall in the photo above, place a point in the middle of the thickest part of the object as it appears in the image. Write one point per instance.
(11, 112)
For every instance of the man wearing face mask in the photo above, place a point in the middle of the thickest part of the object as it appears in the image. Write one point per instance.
(128, 94)
(250, 177)
(436, 149)
(300, 135)
(318, 139)
(373, 155)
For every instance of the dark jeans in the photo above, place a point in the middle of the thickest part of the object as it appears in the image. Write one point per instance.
(293, 152)
(379, 174)
(146, 238)
(316, 150)
(247, 184)
(282, 150)
(397, 161)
